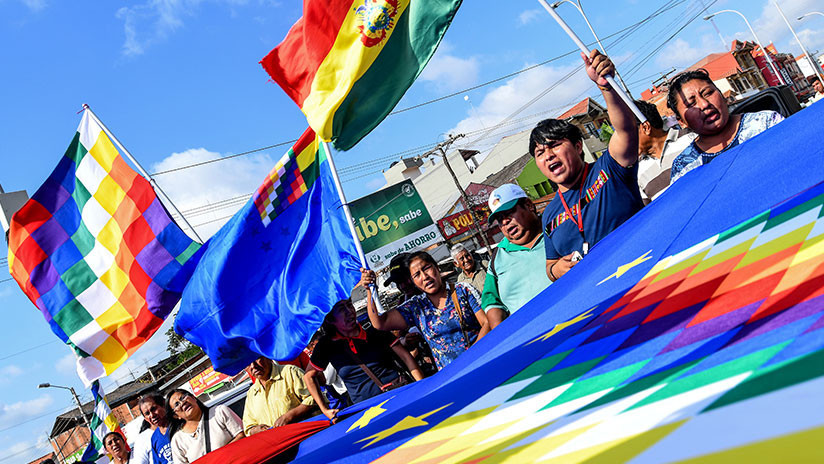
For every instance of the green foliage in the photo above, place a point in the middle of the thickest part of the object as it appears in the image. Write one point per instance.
(606, 132)
(180, 348)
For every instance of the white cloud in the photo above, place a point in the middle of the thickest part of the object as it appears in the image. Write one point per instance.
(376, 183)
(200, 192)
(22, 410)
(34, 5)
(151, 22)
(25, 451)
(450, 72)
(502, 101)
(771, 28)
(529, 16)
(10, 371)
(67, 364)
(681, 53)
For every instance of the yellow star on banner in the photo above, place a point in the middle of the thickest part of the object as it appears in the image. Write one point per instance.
(408, 422)
(564, 325)
(624, 268)
(367, 416)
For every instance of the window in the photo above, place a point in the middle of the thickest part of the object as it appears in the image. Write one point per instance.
(592, 130)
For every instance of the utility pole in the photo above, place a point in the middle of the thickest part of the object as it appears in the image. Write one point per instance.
(76, 400)
(59, 455)
(476, 220)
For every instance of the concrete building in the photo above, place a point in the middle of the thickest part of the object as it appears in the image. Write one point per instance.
(805, 66)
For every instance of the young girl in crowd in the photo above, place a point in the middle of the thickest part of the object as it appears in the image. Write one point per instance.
(363, 358)
(196, 429)
(449, 317)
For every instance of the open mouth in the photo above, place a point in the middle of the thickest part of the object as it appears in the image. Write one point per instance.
(556, 167)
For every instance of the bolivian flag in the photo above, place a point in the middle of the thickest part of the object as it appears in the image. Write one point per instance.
(347, 63)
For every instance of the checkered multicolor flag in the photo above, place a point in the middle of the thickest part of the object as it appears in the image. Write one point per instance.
(291, 177)
(101, 423)
(97, 253)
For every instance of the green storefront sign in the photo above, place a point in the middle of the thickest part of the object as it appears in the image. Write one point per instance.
(391, 221)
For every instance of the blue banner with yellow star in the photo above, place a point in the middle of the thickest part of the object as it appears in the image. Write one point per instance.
(694, 332)
(268, 277)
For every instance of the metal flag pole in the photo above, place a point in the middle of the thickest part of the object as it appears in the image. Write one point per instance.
(816, 68)
(351, 222)
(626, 98)
(140, 168)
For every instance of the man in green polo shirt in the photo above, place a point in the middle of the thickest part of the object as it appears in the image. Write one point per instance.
(517, 270)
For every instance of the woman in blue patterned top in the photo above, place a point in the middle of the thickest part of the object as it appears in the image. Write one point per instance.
(449, 331)
(698, 103)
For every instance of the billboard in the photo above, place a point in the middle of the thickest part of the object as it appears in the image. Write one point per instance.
(206, 380)
(458, 223)
(391, 221)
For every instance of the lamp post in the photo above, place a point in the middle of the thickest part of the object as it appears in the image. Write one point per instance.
(810, 13)
(580, 9)
(76, 400)
(763, 50)
(815, 66)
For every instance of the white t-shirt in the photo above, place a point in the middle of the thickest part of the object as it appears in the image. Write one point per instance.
(333, 379)
(224, 425)
(142, 452)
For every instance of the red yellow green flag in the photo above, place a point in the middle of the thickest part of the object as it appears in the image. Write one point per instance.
(347, 63)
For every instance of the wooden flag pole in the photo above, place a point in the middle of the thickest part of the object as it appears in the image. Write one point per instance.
(351, 222)
(140, 168)
(630, 103)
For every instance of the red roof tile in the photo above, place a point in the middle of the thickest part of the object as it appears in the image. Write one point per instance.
(580, 108)
(719, 65)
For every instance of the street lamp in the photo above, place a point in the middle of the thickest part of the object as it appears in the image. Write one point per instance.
(816, 69)
(580, 9)
(76, 400)
(808, 14)
(767, 55)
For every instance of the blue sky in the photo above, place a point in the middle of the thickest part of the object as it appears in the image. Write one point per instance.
(178, 82)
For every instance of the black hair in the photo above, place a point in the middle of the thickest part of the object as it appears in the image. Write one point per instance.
(327, 328)
(422, 255)
(155, 397)
(678, 81)
(112, 433)
(550, 130)
(650, 112)
(174, 423)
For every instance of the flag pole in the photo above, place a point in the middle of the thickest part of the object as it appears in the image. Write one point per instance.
(140, 168)
(630, 103)
(350, 221)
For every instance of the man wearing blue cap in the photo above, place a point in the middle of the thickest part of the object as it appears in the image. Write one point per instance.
(516, 271)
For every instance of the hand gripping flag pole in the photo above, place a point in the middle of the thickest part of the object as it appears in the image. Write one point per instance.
(142, 171)
(350, 221)
(585, 50)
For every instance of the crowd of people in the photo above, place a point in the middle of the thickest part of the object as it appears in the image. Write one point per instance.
(436, 320)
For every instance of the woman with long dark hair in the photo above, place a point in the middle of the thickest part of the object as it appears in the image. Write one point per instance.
(449, 317)
(364, 358)
(700, 105)
(196, 429)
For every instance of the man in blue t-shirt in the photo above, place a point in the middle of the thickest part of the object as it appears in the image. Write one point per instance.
(152, 406)
(592, 200)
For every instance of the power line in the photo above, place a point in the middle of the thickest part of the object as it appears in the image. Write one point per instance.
(444, 97)
(27, 350)
(224, 158)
